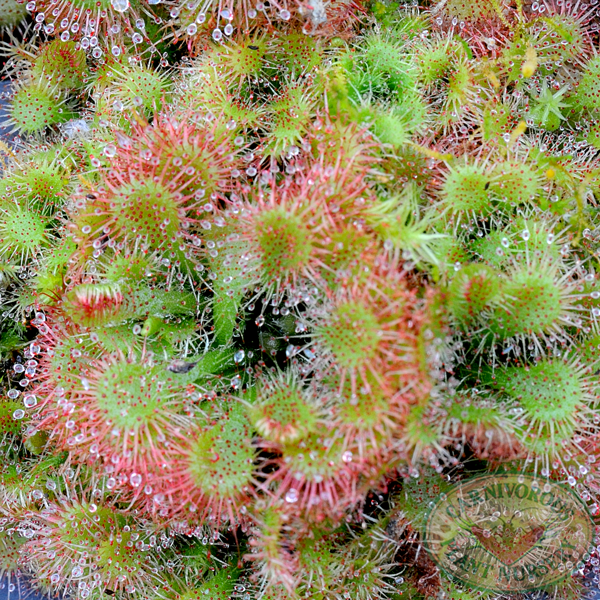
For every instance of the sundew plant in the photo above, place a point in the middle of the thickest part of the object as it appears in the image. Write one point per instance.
(275, 275)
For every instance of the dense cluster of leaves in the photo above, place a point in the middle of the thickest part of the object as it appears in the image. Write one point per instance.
(273, 276)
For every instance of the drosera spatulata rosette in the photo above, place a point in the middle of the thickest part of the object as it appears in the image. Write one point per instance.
(273, 277)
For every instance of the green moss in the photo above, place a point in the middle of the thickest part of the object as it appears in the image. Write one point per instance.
(549, 110)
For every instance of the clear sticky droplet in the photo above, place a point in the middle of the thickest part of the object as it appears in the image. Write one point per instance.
(29, 401)
(120, 5)
(291, 496)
